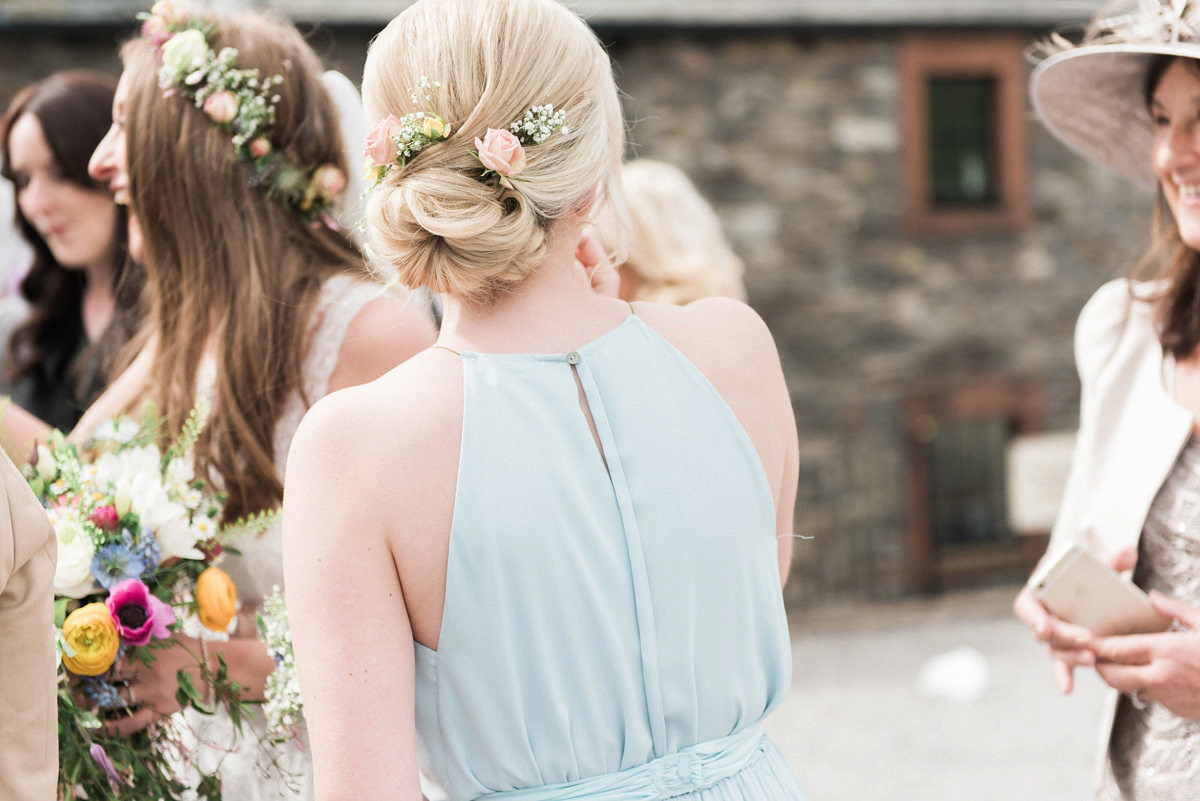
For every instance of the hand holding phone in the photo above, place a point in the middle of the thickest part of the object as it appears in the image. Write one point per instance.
(1081, 589)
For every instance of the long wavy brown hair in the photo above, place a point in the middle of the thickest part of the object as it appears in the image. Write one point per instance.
(228, 266)
(1171, 262)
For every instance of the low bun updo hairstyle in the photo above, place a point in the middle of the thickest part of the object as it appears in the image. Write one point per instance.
(436, 222)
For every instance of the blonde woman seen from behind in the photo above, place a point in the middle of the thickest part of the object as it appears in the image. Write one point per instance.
(563, 530)
(675, 250)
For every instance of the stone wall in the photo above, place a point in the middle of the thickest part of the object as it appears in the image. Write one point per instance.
(795, 138)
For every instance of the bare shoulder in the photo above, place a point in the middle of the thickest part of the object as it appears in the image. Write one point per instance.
(389, 429)
(715, 334)
(386, 331)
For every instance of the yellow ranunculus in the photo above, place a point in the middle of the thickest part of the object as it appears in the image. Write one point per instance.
(216, 599)
(92, 634)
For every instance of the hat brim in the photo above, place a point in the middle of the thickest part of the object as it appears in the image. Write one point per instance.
(1093, 99)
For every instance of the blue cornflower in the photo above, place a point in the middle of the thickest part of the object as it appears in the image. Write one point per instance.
(149, 550)
(101, 693)
(116, 562)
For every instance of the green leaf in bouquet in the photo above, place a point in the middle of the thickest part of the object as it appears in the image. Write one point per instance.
(209, 788)
(60, 611)
(187, 694)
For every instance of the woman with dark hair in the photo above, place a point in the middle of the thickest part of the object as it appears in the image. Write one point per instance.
(77, 303)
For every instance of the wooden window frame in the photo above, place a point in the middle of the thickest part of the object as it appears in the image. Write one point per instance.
(1020, 402)
(1001, 57)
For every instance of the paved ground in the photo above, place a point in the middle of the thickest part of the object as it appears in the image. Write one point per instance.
(857, 726)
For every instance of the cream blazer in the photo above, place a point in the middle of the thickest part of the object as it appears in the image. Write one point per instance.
(1131, 432)
(28, 662)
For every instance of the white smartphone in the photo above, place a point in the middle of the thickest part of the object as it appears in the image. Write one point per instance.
(1085, 591)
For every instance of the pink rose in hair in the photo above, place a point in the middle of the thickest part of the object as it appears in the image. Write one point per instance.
(328, 181)
(221, 106)
(381, 147)
(138, 614)
(501, 152)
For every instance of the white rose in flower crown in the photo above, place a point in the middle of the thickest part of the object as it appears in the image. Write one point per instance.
(73, 573)
(182, 53)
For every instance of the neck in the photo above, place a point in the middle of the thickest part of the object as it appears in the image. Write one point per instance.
(550, 310)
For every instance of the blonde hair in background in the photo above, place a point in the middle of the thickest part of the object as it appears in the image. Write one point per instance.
(224, 260)
(434, 223)
(674, 247)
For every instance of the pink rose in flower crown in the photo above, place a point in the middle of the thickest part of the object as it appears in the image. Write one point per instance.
(328, 181)
(381, 148)
(155, 29)
(501, 152)
(259, 147)
(221, 106)
(137, 613)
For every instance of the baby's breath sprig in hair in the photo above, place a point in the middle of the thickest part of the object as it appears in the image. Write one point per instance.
(502, 153)
(538, 124)
(241, 102)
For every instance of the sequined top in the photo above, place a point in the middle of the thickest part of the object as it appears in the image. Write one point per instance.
(1152, 753)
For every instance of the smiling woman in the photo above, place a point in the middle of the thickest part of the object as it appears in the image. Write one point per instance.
(77, 303)
(1128, 97)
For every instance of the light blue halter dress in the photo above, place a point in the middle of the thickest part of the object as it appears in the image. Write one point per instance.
(613, 625)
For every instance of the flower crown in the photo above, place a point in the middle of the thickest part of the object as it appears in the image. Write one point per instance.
(1132, 22)
(239, 101)
(395, 142)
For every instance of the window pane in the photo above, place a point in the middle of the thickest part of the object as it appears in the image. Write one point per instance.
(962, 126)
(967, 482)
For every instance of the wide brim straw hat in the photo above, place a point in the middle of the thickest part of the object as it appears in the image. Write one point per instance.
(1092, 95)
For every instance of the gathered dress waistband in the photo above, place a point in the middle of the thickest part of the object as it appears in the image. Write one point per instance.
(686, 771)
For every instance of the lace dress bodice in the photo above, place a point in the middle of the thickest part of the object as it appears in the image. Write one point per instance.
(1154, 755)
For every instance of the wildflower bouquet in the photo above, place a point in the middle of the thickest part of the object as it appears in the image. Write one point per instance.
(137, 540)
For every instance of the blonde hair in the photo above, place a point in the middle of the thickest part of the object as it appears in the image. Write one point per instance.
(224, 259)
(672, 242)
(434, 222)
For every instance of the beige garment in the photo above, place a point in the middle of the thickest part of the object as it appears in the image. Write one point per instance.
(28, 676)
